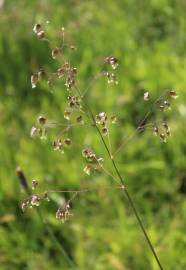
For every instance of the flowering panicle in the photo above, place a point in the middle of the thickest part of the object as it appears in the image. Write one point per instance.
(33, 200)
(34, 183)
(68, 73)
(111, 60)
(74, 108)
(55, 52)
(94, 163)
(146, 96)
(113, 119)
(173, 94)
(164, 106)
(163, 103)
(34, 80)
(102, 120)
(162, 130)
(64, 213)
(38, 31)
(111, 77)
(40, 130)
(60, 144)
(37, 28)
(79, 119)
(75, 111)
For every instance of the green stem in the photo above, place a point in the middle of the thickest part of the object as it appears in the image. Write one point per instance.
(130, 201)
(126, 192)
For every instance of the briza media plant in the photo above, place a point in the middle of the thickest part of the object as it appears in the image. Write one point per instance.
(78, 112)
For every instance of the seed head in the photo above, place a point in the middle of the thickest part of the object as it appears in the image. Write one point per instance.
(164, 124)
(34, 80)
(35, 200)
(60, 72)
(41, 34)
(104, 131)
(67, 115)
(66, 66)
(70, 81)
(41, 74)
(162, 108)
(173, 94)
(101, 118)
(37, 28)
(67, 141)
(45, 195)
(49, 82)
(64, 213)
(146, 96)
(55, 52)
(88, 169)
(74, 101)
(79, 119)
(156, 130)
(34, 131)
(73, 71)
(25, 204)
(88, 154)
(113, 61)
(113, 119)
(167, 128)
(34, 183)
(42, 120)
(163, 137)
(166, 103)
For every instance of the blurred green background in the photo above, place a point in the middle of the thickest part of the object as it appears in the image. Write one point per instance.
(149, 38)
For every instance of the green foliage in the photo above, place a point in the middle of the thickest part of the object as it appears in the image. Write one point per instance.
(149, 39)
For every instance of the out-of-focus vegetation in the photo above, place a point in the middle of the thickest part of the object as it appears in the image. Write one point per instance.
(149, 39)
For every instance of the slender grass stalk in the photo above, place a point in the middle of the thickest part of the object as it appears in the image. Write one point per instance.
(124, 189)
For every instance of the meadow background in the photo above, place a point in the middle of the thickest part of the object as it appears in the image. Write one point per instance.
(149, 38)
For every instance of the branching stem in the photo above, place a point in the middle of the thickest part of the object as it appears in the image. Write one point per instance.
(125, 190)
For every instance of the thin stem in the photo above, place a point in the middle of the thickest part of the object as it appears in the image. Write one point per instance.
(108, 173)
(77, 191)
(88, 115)
(130, 137)
(67, 191)
(90, 83)
(126, 192)
(131, 203)
(51, 125)
(73, 196)
(109, 140)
